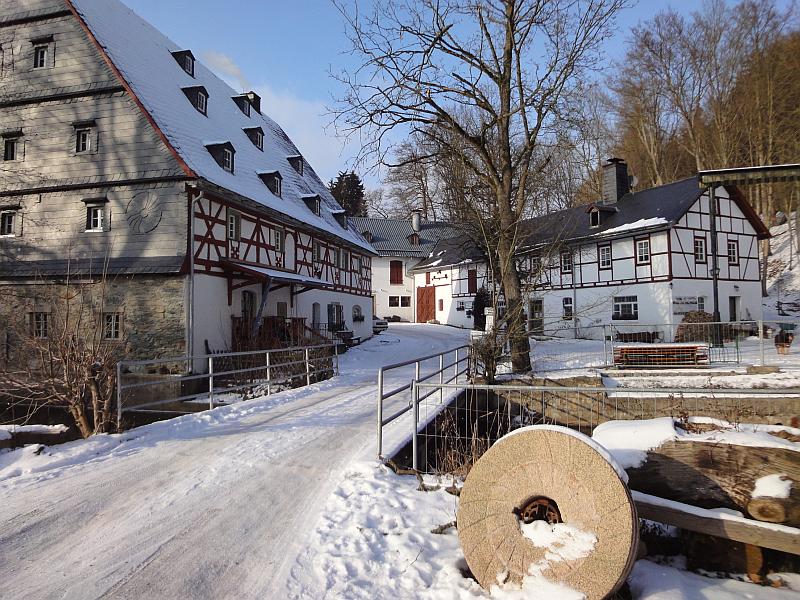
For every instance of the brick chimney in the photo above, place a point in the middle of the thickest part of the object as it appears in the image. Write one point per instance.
(615, 180)
(416, 220)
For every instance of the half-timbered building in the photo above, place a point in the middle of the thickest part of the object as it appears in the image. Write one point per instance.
(633, 258)
(127, 160)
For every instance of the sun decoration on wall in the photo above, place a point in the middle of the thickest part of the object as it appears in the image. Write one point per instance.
(144, 212)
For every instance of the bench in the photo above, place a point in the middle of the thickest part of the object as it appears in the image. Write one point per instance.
(690, 354)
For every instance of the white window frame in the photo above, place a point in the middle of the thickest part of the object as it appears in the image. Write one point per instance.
(201, 102)
(567, 264)
(345, 264)
(227, 160)
(619, 312)
(40, 325)
(397, 302)
(567, 308)
(234, 226)
(188, 64)
(112, 326)
(8, 220)
(278, 237)
(601, 259)
(83, 140)
(733, 245)
(701, 303)
(594, 219)
(643, 257)
(700, 250)
(407, 300)
(316, 251)
(43, 51)
(95, 217)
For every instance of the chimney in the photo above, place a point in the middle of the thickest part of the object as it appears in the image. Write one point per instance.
(255, 101)
(615, 180)
(416, 220)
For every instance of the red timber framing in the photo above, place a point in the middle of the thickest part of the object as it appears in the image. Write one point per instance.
(256, 246)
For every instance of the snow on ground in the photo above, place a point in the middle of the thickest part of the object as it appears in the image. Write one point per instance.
(209, 505)
(374, 542)
(278, 497)
(783, 277)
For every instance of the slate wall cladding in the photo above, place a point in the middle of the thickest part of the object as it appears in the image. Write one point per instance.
(152, 309)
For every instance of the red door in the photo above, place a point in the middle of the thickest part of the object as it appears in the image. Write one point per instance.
(426, 308)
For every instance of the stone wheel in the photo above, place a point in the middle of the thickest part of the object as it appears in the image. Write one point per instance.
(556, 475)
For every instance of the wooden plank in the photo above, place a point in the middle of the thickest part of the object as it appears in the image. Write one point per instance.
(731, 527)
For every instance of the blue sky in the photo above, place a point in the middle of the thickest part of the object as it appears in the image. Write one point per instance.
(285, 51)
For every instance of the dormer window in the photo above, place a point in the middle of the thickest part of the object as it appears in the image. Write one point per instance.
(273, 181)
(255, 101)
(413, 239)
(185, 59)
(341, 219)
(198, 96)
(312, 202)
(297, 163)
(594, 218)
(256, 135)
(367, 236)
(243, 102)
(224, 153)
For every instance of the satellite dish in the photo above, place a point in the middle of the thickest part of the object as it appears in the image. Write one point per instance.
(634, 181)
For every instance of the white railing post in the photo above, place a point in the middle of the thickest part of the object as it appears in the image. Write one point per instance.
(761, 342)
(455, 368)
(415, 421)
(441, 375)
(308, 369)
(380, 412)
(210, 382)
(269, 373)
(119, 395)
(605, 347)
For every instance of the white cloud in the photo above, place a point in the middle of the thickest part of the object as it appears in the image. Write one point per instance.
(305, 122)
(224, 66)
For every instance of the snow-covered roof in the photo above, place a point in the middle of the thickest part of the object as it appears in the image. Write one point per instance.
(143, 55)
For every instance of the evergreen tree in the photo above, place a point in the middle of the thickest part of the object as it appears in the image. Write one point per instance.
(348, 190)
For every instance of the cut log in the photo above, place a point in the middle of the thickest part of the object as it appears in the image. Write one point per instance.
(712, 475)
(775, 510)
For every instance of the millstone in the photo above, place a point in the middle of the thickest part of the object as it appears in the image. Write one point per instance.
(552, 474)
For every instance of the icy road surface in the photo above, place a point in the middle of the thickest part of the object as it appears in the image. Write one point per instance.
(211, 505)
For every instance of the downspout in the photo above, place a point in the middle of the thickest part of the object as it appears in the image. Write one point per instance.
(190, 307)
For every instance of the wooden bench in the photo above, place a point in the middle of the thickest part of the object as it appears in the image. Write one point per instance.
(690, 354)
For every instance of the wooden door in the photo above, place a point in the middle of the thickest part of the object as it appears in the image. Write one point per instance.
(426, 308)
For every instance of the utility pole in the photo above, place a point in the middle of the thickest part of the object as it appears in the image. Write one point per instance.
(712, 211)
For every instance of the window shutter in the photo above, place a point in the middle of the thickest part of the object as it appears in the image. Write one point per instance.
(396, 272)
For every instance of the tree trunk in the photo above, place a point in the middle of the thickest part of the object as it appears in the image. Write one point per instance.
(80, 418)
(711, 475)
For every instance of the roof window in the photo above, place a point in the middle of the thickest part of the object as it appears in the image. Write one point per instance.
(341, 219)
(594, 218)
(224, 153)
(243, 102)
(256, 135)
(367, 236)
(255, 101)
(296, 161)
(185, 59)
(273, 180)
(413, 239)
(198, 96)
(312, 202)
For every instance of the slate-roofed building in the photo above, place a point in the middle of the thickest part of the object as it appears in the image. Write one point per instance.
(126, 156)
(632, 259)
(400, 243)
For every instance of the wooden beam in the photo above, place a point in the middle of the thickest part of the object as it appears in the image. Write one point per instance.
(709, 522)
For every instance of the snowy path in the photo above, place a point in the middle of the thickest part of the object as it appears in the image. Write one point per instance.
(212, 505)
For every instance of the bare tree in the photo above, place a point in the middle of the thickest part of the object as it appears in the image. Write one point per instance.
(62, 350)
(488, 80)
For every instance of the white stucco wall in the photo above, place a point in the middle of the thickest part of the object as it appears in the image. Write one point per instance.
(382, 289)
(212, 315)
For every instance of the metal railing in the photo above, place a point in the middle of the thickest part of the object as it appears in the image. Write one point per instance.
(171, 382)
(460, 366)
(450, 437)
(593, 346)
